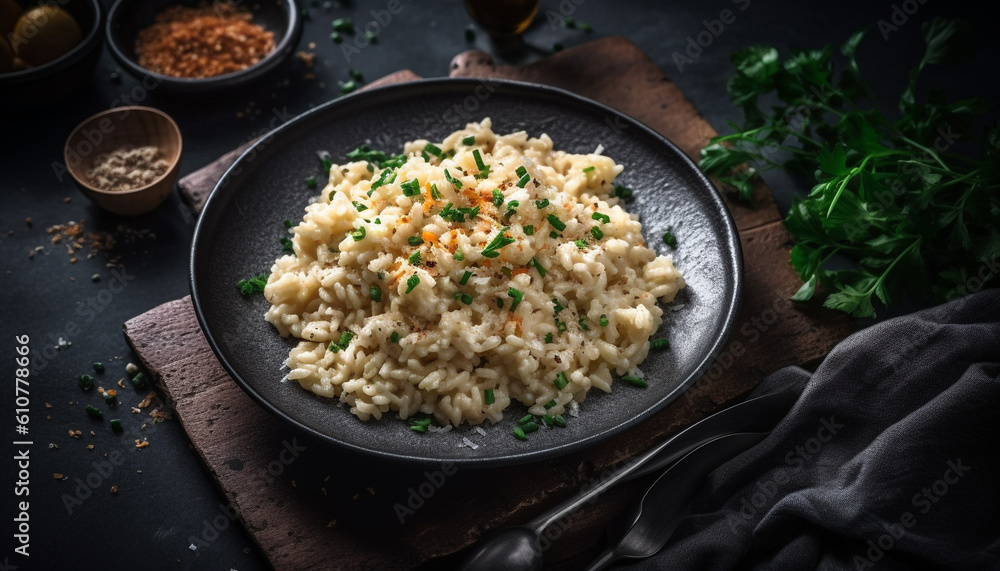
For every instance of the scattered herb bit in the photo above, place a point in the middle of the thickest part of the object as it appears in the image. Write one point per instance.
(325, 160)
(479, 160)
(380, 276)
(111, 397)
(370, 35)
(604, 218)
(356, 75)
(469, 141)
(516, 295)
(410, 187)
(583, 324)
(139, 380)
(415, 240)
(597, 233)
(623, 192)
(523, 181)
(377, 221)
(359, 206)
(94, 412)
(459, 256)
(288, 223)
(343, 25)
(635, 381)
(420, 425)
(555, 222)
(589, 169)
(116, 425)
(557, 307)
(466, 299)
(538, 266)
(548, 338)
(581, 244)
(554, 234)
(526, 419)
(380, 158)
(542, 203)
(488, 397)
(359, 234)
(659, 344)
(454, 182)
(286, 246)
(253, 285)
(375, 293)
(394, 337)
(412, 282)
(561, 381)
(559, 421)
(569, 22)
(604, 320)
(348, 86)
(435, 194)
(519, 433)
(561, 326)
(335, 37)
(529, 427)
(499, 303)
(415, 258)
(99, 367)
(550, 404)
(434, 150)
(497, 198)
(86, 382)
(492, 249)
(507, 271)
(529, 230)
(465, 277)
(311, 183)
(669, 239)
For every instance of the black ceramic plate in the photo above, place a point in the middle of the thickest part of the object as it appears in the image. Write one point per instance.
(239, 231)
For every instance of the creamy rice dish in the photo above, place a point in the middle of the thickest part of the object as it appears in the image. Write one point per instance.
(467, 274)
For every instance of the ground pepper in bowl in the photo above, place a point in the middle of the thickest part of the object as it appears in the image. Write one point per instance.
(203, 41)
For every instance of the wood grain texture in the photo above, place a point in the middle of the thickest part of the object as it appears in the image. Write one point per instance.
(287, 507)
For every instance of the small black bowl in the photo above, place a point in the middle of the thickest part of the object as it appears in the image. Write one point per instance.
(55, 80)
(127, 17)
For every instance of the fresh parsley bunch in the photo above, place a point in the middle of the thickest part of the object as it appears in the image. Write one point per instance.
(897, 197)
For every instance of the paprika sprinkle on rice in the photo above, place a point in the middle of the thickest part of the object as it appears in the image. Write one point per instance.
(203, 41)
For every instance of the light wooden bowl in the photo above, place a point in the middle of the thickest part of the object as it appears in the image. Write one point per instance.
(108, 130)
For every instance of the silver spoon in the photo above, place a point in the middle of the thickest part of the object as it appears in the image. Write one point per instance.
(520, 547)
(654, 520)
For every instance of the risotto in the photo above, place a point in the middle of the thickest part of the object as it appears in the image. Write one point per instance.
(467, 274)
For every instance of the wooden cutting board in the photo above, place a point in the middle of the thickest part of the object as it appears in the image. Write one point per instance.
(310, 506)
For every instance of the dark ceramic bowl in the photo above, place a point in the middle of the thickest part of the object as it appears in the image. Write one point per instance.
(62, 76)
(127, 17)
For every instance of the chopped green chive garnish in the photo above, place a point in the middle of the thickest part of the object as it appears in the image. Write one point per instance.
(252, 285)
(376, 293)
(557, 307)
(561, 326)
(139, 380)
(604, 320)
(412, 282)
(94, 412)
(582, 244)
(459, 255)
(596, 233)
(394, 337)
(455, 182)
(348, 86)
(555, 222)
(521, 171)
(415, 258)
(507, 271)
(529, 230)
(491, 250)
(519, 433)
(380, 276)
(538, 266)
(588, 169)
(635, 381)
(311, 183)
(583, 324)
(604, 218)
(371, 37)
(561, 380)
(497, 198)
(542, 203)
(86, 382)
(359, 206)
(479, 160)
(521, 182)
(359, 234)
(99, 367)
(658, 344)
(525, 419)
(116, 425)
(548, 338)
(356, 75)
(466, 299)
(286, 246)
(110, 397)
(550, 404)
(669, 239)
(516, 295)
(569, 22)
(335, 36)
(529, 427)
(288, 223)
(410, 187)
(434, 150)
(554, 234)
(499, 303)
(420, 425)
(343, 25)
(435, 194)
(465, 277)
(415, 240)
(559, 421)
(488, 397)
(469, 141)
(622, 192)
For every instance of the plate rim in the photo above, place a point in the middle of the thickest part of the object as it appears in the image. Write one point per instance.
(730, 238)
